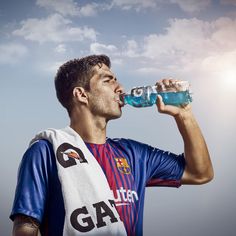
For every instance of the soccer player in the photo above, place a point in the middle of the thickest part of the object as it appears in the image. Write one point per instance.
(76, 181)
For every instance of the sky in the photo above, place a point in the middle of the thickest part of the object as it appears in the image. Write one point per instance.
(146, 41)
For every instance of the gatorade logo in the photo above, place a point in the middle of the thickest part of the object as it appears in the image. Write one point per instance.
(68, 155)
(82, 220)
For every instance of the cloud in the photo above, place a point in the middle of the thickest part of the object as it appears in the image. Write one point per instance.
(54, 28)
(64, 7)
(186, 45)
(184, 37)
(187, 42)
(12, 53)
(111, 50)
(224, 34)
(98, 48)
(192, 5)
(61, 48)
(134, 4)
(131, 48)
(189, 6)
(71, 8)
(90, 9)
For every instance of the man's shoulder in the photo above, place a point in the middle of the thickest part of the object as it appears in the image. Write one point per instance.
(40, 150)
(40, 145)
(127, 143)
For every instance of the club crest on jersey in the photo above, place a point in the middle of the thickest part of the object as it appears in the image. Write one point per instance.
(122, 165)
(68, 154)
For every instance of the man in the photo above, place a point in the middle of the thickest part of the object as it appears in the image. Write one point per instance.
(57, 194)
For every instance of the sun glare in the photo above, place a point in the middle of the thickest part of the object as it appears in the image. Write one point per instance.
(229, 78)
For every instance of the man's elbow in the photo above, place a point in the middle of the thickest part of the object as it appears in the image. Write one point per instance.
(205, 178)
(197, 178)
(25, 225)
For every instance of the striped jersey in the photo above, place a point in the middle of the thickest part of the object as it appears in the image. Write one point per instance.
(128, 165)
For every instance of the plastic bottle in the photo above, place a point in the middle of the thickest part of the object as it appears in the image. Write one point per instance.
(176, 94)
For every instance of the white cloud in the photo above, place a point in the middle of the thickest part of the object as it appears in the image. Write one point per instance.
(131, 48)
(192, 5)
(61, 48)
(98, 48)
(54, 28)
(189, 6)
(182, 37)
(187, 45)
(89, 9)
(224, 33)
(187, 42)
(70, 7)
(64, 7)
(111, 50)
(136, 4)
(11, 53)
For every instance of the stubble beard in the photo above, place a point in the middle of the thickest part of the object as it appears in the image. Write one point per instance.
(99, 108)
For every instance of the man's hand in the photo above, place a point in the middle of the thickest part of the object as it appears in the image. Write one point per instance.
(169, 109)
(25, 226)
(172, 110)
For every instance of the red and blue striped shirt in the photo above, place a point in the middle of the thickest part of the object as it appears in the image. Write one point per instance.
(129, 166)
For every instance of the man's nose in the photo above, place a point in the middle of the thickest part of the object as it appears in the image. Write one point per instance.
(119, 88)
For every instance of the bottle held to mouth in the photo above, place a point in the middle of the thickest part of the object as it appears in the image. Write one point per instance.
(176, 94)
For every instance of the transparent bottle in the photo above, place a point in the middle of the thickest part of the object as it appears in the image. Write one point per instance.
(175, 93)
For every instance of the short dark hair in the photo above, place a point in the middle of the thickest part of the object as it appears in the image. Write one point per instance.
(76, 73)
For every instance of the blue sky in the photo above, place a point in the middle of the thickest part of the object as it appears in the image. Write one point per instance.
(146, 41)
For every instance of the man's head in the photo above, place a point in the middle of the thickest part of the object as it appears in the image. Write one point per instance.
(76, 73)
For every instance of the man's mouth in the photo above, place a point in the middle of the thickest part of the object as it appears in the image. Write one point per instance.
(119, 100)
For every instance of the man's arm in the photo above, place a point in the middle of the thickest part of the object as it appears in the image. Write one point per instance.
(25, 226)
(198, 168)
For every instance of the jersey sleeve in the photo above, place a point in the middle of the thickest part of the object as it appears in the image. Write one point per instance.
(155, 166)
(164, 168)
(32, 181)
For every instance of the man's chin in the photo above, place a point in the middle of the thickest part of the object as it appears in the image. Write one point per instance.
(115, 116)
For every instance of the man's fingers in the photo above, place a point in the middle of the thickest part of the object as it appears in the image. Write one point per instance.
(160, 104)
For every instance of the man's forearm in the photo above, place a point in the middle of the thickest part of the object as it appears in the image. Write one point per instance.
(198, 164)
(198, 168)
(25, 226)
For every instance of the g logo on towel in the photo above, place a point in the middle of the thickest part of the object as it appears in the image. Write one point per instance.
(68, 154)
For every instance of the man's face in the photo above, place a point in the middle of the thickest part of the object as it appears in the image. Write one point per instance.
(104, 94)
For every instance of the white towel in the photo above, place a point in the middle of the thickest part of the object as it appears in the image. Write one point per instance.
(89, 202)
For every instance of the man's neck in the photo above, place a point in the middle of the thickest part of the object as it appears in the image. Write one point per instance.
(91, 130)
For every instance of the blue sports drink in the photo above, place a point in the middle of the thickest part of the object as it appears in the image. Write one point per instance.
(175, 94)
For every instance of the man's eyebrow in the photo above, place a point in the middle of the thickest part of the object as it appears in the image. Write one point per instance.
(106, 74)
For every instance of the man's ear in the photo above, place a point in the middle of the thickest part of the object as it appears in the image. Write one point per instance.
(80, 95)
